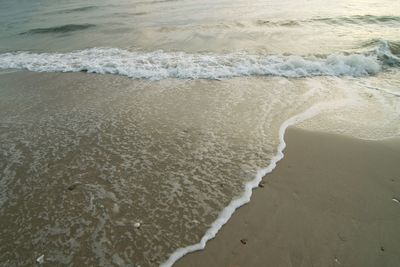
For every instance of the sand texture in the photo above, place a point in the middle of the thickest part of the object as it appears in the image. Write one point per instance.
(330, 202)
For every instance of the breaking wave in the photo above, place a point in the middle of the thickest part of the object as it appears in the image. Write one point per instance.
(161, 65)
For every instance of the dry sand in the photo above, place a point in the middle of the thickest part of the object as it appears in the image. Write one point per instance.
(329, 202)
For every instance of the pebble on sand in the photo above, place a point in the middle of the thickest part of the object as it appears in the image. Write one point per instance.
(73, 186)
(136, 225)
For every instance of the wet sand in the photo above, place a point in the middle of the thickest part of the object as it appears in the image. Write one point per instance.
(330, 202)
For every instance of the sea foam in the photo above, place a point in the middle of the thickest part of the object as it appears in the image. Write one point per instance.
(161, 65)
(228, 211)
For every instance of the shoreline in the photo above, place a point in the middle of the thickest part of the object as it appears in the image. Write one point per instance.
(329, 202)
(33, 99)
(226, 214)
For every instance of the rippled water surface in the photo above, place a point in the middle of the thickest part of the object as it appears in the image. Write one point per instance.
(160, 112)
(288, 26)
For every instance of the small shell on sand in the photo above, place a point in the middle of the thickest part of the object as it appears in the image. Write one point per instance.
(136, 225)
(40, 259)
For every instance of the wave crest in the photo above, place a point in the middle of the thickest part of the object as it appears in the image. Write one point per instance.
(160, 65)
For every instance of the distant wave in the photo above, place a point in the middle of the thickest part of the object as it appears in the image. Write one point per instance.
(155, 2)
(286, 23)
(160, 65)
(73, 10)
(60, 29)
(356, 19)
(128, 14)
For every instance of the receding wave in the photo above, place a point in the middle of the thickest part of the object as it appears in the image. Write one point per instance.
(60, 29)
(161, 65)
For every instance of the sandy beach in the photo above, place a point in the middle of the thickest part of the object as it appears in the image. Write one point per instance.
(134, 132)
(330, 202)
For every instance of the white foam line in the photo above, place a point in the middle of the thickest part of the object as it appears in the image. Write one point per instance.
(228, 211)
(383, 90)
(159, 65)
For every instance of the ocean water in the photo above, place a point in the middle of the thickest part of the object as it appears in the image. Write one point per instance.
(167, 113)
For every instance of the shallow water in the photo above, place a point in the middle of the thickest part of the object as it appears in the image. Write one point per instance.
(180, 107)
